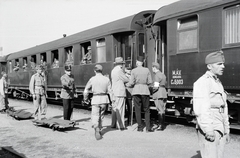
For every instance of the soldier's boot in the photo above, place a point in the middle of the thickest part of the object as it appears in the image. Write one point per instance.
(161, 119)
(98, 135)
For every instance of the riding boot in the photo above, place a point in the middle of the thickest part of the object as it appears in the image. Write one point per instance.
(159, 122)
(98, 135)
(163, 122)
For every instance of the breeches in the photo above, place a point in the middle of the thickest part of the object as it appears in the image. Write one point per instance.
(40, 105)
(213, 149)
(98, 114)
(68, 105)
(118, 112)
(160, 105)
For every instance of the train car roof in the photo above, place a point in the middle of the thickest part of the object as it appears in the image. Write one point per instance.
(4, 58)
(184, 7)
(122, 25)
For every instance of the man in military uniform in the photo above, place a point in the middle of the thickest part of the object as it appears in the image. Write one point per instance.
(211, 109)
(159, 94)
(68, 92)
(3, 92)
(101, 88)
(87, 58)
(141, 80)
(38, 89)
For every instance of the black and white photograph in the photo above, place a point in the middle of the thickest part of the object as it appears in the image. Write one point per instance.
(119, 78)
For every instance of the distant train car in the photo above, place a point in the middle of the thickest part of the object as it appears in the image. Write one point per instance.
(126, 37)
(3, 63)
(187, 31)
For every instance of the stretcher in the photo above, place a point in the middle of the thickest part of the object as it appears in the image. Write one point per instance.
(19, 114)
(55, 123)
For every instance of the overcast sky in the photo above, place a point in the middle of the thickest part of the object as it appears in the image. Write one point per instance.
(27, 23)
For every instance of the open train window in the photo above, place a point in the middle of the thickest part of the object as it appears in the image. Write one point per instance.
(232, 25)
(86, 53)
(55, 59)
(17, 65)
(68, 55)
(43, 60)
(101, 50)
(25, 64)
(187, 34)
(33, 61)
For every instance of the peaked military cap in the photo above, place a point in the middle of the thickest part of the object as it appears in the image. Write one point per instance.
(156, 65)
(215, 57)
(119, 60)
(140, 58)
(98, 67)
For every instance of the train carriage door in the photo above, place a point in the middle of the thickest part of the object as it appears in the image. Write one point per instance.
(161, 44)
(124, 48)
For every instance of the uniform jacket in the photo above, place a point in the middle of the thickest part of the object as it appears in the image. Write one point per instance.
(37, 84)
(68, 87)
(208, 97)
(118, 81)
(140, 80)
(101, 87)
(160, 78)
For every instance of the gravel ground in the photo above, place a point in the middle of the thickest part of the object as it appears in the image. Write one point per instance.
(177, 141)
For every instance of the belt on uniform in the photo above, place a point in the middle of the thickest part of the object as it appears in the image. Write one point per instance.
(39, 87)
(218, 109)
(96, 94)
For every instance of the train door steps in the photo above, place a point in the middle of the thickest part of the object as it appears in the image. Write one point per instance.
(55, 123)
(19, 114)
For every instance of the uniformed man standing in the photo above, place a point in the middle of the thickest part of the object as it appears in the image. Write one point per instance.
(3, 92)
(101, 87)
(211, 109)
(159, 94)
(38, 89)
(141, 80)
(68, 92)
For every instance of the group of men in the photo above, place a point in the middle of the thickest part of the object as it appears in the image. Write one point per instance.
(209, 99)
(139, 82)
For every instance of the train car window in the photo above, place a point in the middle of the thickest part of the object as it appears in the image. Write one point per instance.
(68, 56)
(55, 59)
(25, 64)
(86, 53)
(16, 66)
(187, 34)
(101, 50)
(232, 25)
(33, 61)
(10, 66)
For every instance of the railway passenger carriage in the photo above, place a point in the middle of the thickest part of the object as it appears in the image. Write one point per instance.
(188, 31)
(125, 37)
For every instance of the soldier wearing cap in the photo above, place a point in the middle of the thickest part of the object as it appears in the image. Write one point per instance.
(68, 92)
(119, 92)
(211, 109)
(4, 92)
(38, 87)
(140, 80)
(87, 58)
(159, 94)
(101, 87)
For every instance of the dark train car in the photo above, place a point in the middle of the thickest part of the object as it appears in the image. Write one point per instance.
(3, 63)
(187, 31)
(125, 37)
